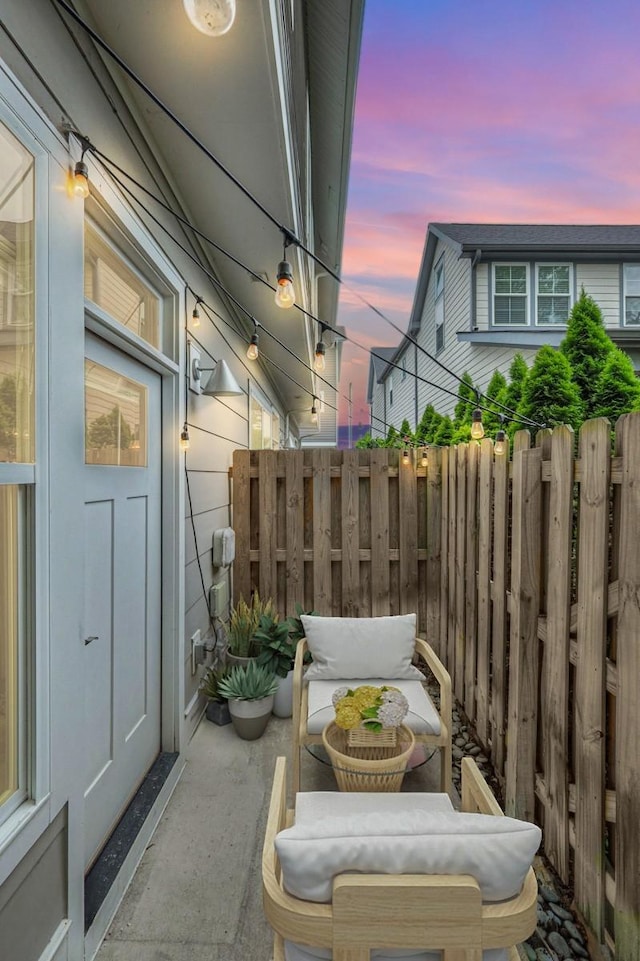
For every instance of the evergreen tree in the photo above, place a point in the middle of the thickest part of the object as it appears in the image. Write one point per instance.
(392, 437)
(495, 391)
(462, 434)
(436, 421)
(550, 396)
(466, 401)
(444, 432)
(587, 347)
(405, 431)
(617, 390)
(423, 430)
(518, 373)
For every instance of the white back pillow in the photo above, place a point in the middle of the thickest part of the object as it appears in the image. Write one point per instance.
(360, 647)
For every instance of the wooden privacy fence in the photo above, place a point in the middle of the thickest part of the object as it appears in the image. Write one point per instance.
(540, 630)
(340, 532)
(525, 575)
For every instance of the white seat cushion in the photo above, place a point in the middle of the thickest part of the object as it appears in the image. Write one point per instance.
(496, 851)
(302, 952)
(423, 717)
(341, 645)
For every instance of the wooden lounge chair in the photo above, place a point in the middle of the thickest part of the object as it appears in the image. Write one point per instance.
(345, 915)
(334, 641)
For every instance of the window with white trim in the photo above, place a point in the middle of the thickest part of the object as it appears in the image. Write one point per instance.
(510, 294)
(261, 423)
(17, 446)
(439, 303)
(631, 281)
(390, 389)
(553, 293)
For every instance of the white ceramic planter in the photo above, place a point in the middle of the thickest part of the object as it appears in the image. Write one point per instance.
(283, 698)
(250, 718)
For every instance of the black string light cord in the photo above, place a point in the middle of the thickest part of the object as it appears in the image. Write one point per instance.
(289, 236)
(249, 315)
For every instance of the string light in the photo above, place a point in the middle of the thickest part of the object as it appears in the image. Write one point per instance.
(477, 427)
(212, 17)
(285, 292)
(184, 438)
(314, 412)
(252, 349)
(500, 445)
(195, 316)
(80, 181)
(319, 363)
(423, 458)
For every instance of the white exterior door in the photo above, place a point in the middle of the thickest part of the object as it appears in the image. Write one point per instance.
(122, 583)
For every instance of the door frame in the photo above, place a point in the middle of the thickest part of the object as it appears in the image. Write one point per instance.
(110, 213)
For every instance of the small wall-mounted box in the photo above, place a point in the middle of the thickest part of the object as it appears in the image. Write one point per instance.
(219, 599)
(224, 547)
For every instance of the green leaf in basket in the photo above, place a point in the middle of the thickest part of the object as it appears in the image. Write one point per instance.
(369, 712)
(374, 726)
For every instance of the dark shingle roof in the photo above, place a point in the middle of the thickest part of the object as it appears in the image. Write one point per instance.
(531, 236)
(380, 362)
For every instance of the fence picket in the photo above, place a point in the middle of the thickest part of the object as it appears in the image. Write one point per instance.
(451, 536)
(595, 444)
(444, 554)
(470, 591)
(408, 539)
(485, 472)
(523, 635)
(380, 574)
(499, 610)
(461, 540)
(321, 463)
(350, 534)
(241, 524)
(294, 499)
(267, 523)
(627, 915)
(434, 564)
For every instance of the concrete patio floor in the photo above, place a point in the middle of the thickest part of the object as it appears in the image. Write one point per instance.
(196, 895)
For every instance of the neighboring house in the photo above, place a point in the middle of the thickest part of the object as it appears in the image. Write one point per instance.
(487, 291)
(105, 538)
(381, 395)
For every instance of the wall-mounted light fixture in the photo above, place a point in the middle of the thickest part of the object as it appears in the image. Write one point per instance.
(221, 383)
(213, 17)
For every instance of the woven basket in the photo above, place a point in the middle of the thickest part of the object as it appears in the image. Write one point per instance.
(368, 768)
(363, 737)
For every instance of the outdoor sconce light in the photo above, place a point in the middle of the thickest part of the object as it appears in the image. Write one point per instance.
(221, 383)
(213, 17)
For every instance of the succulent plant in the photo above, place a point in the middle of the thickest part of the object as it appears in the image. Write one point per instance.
(211, 681)
(248, 683)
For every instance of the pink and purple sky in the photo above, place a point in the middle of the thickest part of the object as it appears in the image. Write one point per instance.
(486, 111)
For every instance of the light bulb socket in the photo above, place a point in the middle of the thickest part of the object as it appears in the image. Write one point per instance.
(320, 349)
(81, 170)
(477, 415)
(284, 272)
(500, 445)
(196, 314)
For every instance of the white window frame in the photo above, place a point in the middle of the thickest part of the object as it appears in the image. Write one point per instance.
(626, 294)
(538, 295)
(438, 291)
(25, 812)
(526, 296)
(268, 412)
(390, 386)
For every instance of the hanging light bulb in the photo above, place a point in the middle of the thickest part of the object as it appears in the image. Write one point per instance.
(80, 184)
(252, 349)
(477, 427)
(184, 438)
(405, 457)
(314, 412)
(213, 17)
(500, 446)
(285, 293)
(423, 459)
(195, 316)
(319, 363)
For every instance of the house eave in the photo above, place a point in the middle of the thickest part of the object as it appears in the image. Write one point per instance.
(521, 339)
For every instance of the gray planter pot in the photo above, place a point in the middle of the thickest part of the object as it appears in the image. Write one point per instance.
(234, 659)
(218, 712)
(250, 718)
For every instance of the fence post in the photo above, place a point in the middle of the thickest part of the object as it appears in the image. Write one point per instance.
(627, 906)
(595, 458)
(554, 688)
(523, 638)
(471, 584)
(461, 540)
(241, 524)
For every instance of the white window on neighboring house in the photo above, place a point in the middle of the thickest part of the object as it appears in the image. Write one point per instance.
(404, 370)
(17, 458)
(632, 295)
(553, 293)
(439, 303)
(275, 431)
(510, 294)
(390, 389)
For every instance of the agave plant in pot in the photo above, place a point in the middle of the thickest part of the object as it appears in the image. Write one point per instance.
(250, 690)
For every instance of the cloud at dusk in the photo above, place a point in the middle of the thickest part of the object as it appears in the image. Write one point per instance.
(485, 112)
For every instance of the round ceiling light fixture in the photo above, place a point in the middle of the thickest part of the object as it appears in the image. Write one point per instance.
(213, 17)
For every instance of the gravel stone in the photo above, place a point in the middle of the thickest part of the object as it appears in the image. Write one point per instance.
(559, 945)
(573, 931)
(529, 951)
(548, 894)
(460, 742)
(475, 750)
(561, 912)
(578, 948)
(457, 752)
(543, 955)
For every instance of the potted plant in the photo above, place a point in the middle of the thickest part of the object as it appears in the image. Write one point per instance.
(241, 642)
(277, 654)
(250, 690)
(217, 709)
(278, 642)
